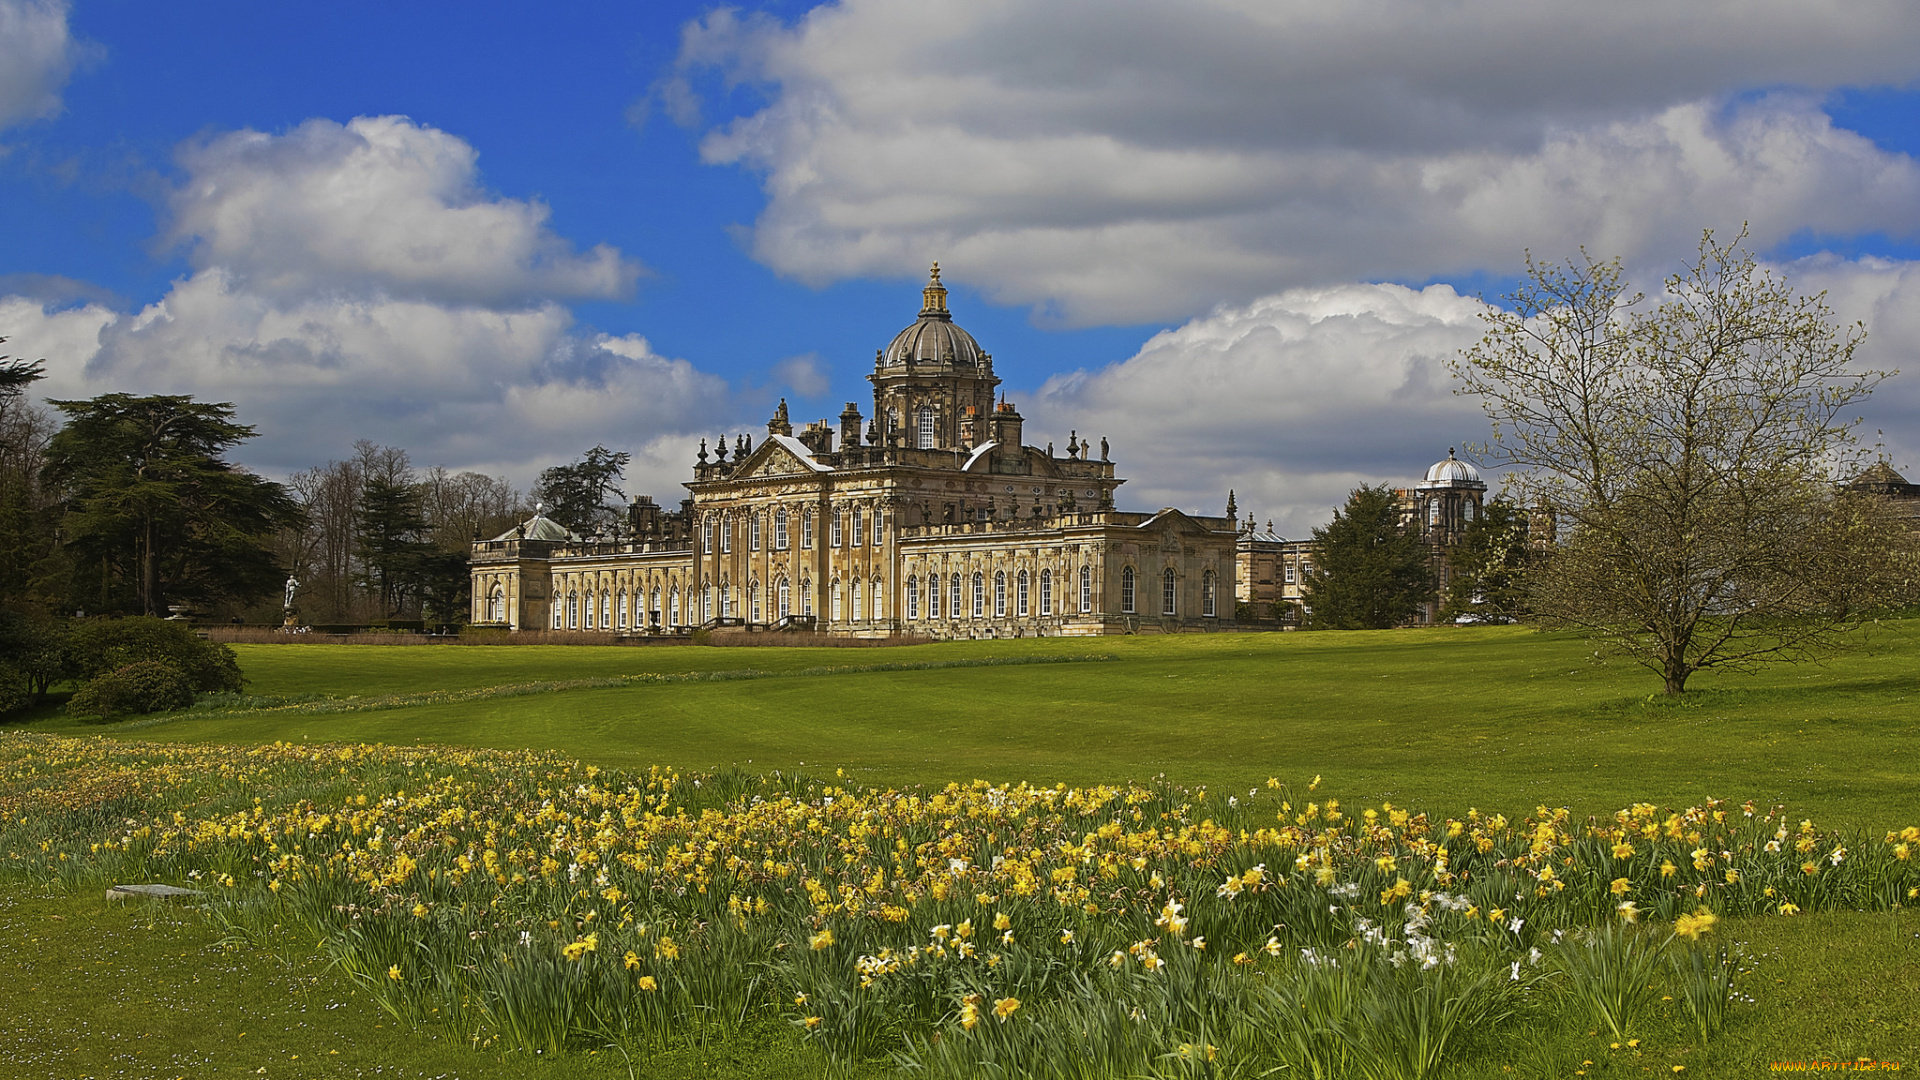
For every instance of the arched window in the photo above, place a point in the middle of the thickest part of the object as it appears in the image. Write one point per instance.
(1046, 592)
(913, 597)
(1166, 591)
(497, 606)
(1207, 605)
(806, 596)
(926, 427)
(558, 614)
(953, 596)
(786, 599)
(653, 608)
(706, 604)
(933, 597)
(573, 611)
(606, 609)
(979, 594)
(779, 530)
(1086, 589)
(727, 607)
(879, 601)
(835, 602)
(673, 606)
(1020, 594)
(621, 608)
(853, 599)
(706, 535)
(1126, 591)
(753, 602)
(999, 594)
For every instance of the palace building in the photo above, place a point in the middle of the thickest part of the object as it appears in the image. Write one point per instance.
(932, 517)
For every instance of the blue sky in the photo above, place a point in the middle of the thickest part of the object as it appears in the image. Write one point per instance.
(1234, 238)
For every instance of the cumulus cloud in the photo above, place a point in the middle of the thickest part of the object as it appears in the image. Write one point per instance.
(1125, 163)
(37, 54)
(1883, 295)
(353, 282)
(1292, 401)
(377, 205)
(803, 375)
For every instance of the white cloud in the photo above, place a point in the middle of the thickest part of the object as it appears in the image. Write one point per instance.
(1123, 163)
(37, 54)
(803, 375)
(379, 205)
(1292, 400)
(352, 282)
(1883, 295)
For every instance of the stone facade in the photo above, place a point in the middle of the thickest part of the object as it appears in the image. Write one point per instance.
(936, 520)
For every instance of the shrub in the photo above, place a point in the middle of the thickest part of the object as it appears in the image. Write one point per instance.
(15, 693)
(99, 646)
(142, 687)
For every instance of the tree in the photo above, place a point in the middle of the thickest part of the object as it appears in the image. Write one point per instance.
(153, 513)
(1370, 571)
(26, 526)
(393, 545)
(1688, 454)
(576, 495)
(1486, 567)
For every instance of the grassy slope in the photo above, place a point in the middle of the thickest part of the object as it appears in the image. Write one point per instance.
(1438, 719)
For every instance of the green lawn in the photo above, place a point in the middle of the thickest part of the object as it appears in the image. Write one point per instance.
(1438, 719)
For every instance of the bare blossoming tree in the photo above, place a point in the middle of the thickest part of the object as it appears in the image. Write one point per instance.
(1689, 452)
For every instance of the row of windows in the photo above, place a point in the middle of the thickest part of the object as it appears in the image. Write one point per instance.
(612, 611)
(836, 529)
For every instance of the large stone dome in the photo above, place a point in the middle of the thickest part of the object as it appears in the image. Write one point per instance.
(933, 340)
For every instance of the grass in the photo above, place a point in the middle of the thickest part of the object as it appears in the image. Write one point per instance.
(1441, 719)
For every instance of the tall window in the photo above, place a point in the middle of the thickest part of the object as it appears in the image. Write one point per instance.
(706, 536)
(559, 613)
(953, 596)
(833, 530)
(1207, 606)
(606, 609)
(753, 603)
(673, 602)
(879, 601)
(589, 611)
(806, 596)
(753, 531)
(573, 611)
(786, 598)
(853, 599)
(999, 594)
(1126, 591)
(857, 533)
(913, 597)
(497, 605)
(726, 534)
(879, 528)
(624, 596)
(653, 609)
(933, 597)
(926, 427)
(979, 595)
(706, 604)
(1086, 589)
(835, 602)
(779, 530)
(1020, 594)
(1289, 575)
(806, 530)
(1166, 591)
(726, 602)
(1046, 592)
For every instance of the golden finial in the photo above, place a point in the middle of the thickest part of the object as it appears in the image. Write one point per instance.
(935, 295)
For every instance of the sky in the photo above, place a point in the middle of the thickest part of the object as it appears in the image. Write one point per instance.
(1240, 240)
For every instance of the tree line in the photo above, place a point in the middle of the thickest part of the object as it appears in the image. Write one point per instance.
(128, 505)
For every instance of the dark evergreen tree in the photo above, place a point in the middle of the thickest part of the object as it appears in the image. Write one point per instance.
(26, 526)
(393, 545)
(152, 512)
(1486, 568)
(577, 495)
(1370, 571)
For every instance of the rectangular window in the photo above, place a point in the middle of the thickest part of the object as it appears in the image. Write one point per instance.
(806, 531)
(879, 529)
(726, 535)
(854, 600)
(858, 534)
(1086, 589)
(1289, 575)
(933, 597)
(833, 532)
(1000, 596)
(780, 531)
(1020, 600)
(1046, 592)
(706, 537)
(1207, 606)
(913, 599)
(753, 533)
